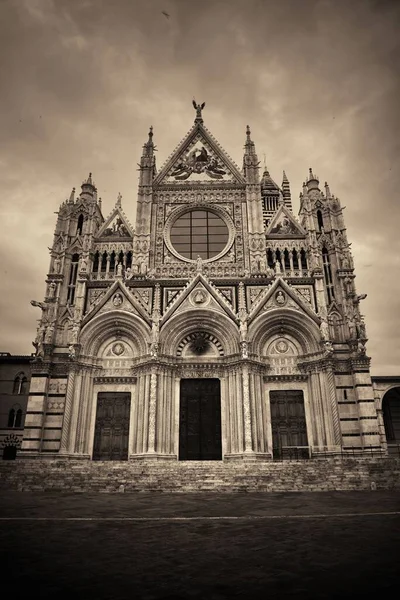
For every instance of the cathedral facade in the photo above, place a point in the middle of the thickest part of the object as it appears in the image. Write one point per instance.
(220, 327)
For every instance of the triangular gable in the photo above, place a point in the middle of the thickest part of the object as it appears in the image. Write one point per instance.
(116, 225)
(118, 297)
(67, 313)
(76, 245)
(80, 208)
(199, 293)
(281, 295)
(283, 224)
(334, 308)
(199, 157)
(144, 296)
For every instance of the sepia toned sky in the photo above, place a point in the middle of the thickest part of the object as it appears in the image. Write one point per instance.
(82, 80)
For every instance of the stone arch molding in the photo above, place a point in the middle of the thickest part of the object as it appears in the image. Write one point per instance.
(301, 332)
(214, 348)
(383, 393)
(183, 325)
(98, 336)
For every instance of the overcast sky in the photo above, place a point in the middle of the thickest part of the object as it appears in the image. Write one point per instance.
(82, 80)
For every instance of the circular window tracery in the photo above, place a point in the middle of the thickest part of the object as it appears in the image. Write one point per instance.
(199, 232)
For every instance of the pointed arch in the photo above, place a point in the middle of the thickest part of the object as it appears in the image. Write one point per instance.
(15, 417)
(20, 385)
(79, 226)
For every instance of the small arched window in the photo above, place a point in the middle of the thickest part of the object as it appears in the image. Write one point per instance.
(20, 384)
(15, 417)
(330, 290)
(303, 259)
(79, 227)
(320, 220)
(73, 274)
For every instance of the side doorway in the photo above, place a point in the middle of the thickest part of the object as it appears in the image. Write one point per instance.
(111, 434)
(288, 420)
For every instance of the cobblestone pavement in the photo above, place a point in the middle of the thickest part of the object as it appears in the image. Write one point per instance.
(288, 545)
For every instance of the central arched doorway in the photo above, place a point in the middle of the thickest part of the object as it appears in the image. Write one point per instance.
(391, 419)
(200, 419)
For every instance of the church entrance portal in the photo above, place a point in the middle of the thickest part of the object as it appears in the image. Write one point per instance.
(112, 426)
(200, 420)
(288, 420)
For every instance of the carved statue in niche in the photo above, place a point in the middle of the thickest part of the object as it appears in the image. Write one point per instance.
(57, 265)
(52, 289)
(75, 333)
(270, 272)
(119, 269)
(361, 347)
(199, 264)
(48, 337)
(243, 330)
(244, 349)
(117, 300)
(324, 329)
(71, 351)
(280, 298)
(278, 267)
(199, 297)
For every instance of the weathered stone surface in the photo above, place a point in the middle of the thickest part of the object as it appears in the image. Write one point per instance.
(192, 476)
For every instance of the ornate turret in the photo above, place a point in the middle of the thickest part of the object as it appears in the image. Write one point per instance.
(312, 181)
(88, 189)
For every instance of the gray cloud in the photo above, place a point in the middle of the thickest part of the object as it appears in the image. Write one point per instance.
(318, 82)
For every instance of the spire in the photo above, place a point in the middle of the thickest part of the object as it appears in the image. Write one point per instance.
(148, 147)
(286, 191)
(249, 144)
(147, 166)
(72, 196)
(250, 159)
(99, 203)
(327, 190)
(312, 181)
(88, 188)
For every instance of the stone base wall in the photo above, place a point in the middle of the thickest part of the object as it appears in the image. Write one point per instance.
(72, 475)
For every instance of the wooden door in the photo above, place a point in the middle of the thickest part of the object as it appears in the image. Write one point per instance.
(288, 420)
(200, 420)
(112, 426)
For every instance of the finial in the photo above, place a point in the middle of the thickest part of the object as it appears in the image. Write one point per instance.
(72, 196)
(327, 190)
(119, 198)
(150, 132)
(198, 108)
(248, 132)
(99, 202)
